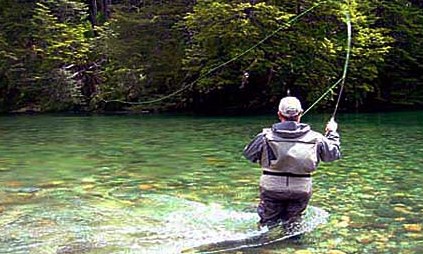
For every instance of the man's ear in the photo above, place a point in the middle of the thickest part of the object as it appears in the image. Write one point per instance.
(299, 118)
(281, 117)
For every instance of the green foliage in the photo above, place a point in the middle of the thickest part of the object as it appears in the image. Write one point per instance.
(145, 53)
(221, 31)
(14, 37)
(371, 44)
(50, 54)
(306, 57)
(59, 41)
(64, 54)
(402, 79)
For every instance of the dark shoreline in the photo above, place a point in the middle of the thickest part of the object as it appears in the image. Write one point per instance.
(230, 112)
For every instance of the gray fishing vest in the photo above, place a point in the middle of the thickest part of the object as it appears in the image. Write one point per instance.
(293, 155)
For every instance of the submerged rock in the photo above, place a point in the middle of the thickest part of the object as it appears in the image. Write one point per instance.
(75, 248)
(27, 190)
(403, 209)
(415, 236)
(87, 187)
(364, 239)
(303, 252)
(13, 184)
(335, 252)
(51, 184)
(400, 219)
(413, 227)
(88, 180)
(342, 224)
(145, 187)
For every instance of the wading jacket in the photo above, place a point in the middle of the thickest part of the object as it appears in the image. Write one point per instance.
(288, 152)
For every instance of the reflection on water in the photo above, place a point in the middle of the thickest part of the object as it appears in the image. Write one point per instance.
(160, 184)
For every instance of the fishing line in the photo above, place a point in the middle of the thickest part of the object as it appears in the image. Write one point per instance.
(344, 72)
(285, 25)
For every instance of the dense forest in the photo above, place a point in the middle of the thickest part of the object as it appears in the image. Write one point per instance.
(205, 55)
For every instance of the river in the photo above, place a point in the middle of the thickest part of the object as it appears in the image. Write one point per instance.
(162, 184)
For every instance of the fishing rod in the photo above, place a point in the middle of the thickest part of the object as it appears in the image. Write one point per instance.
(344, 72)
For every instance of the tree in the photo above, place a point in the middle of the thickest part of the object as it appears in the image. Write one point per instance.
(144, 58)
(305, 57)
(15, 33)
(77, 54)
(60, 46)
(402, 79)
(99, 11)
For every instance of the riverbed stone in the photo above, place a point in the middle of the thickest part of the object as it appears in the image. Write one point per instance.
(367, 188)
(415, 236)
(403, 209)
(145, 187)
(88, 180)
(88, 187)
(413, 227)
(344, 232)
(46, 223)
(13, 184)
(342, 224)
(51, 184)
(400, 219)
(74, 248)
(383, 239)
(358, 225)
(303, 252)
(335, 252)
(364, 239)
(345, 218)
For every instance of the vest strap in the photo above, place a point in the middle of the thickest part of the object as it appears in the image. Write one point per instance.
(265, 172)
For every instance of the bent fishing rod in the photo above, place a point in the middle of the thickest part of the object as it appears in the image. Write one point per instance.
(344, 73)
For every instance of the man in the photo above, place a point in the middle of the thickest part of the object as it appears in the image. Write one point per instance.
(288, 152)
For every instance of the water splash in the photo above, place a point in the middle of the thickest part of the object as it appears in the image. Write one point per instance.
(153, 223)
(310, 220)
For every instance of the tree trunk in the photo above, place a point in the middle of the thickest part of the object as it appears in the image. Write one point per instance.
(106, 9)
(99, 6)
(299, 5)
(94, 12)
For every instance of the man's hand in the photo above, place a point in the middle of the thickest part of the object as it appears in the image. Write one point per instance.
(331, 125)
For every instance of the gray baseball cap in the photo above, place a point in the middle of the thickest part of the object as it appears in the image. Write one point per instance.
(290, 106)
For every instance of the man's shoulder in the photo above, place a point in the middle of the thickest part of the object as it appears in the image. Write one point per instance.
(266, 131)
(314, 135)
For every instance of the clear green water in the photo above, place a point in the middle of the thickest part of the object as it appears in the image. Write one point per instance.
(159, 184)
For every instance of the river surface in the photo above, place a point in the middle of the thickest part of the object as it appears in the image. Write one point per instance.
(163, 184)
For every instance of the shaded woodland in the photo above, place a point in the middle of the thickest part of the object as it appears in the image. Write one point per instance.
(162, 55)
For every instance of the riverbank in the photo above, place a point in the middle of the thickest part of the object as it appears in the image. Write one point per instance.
(122, 109)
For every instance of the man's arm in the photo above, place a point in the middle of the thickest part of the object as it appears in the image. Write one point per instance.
(253, 150)
(330, 146)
